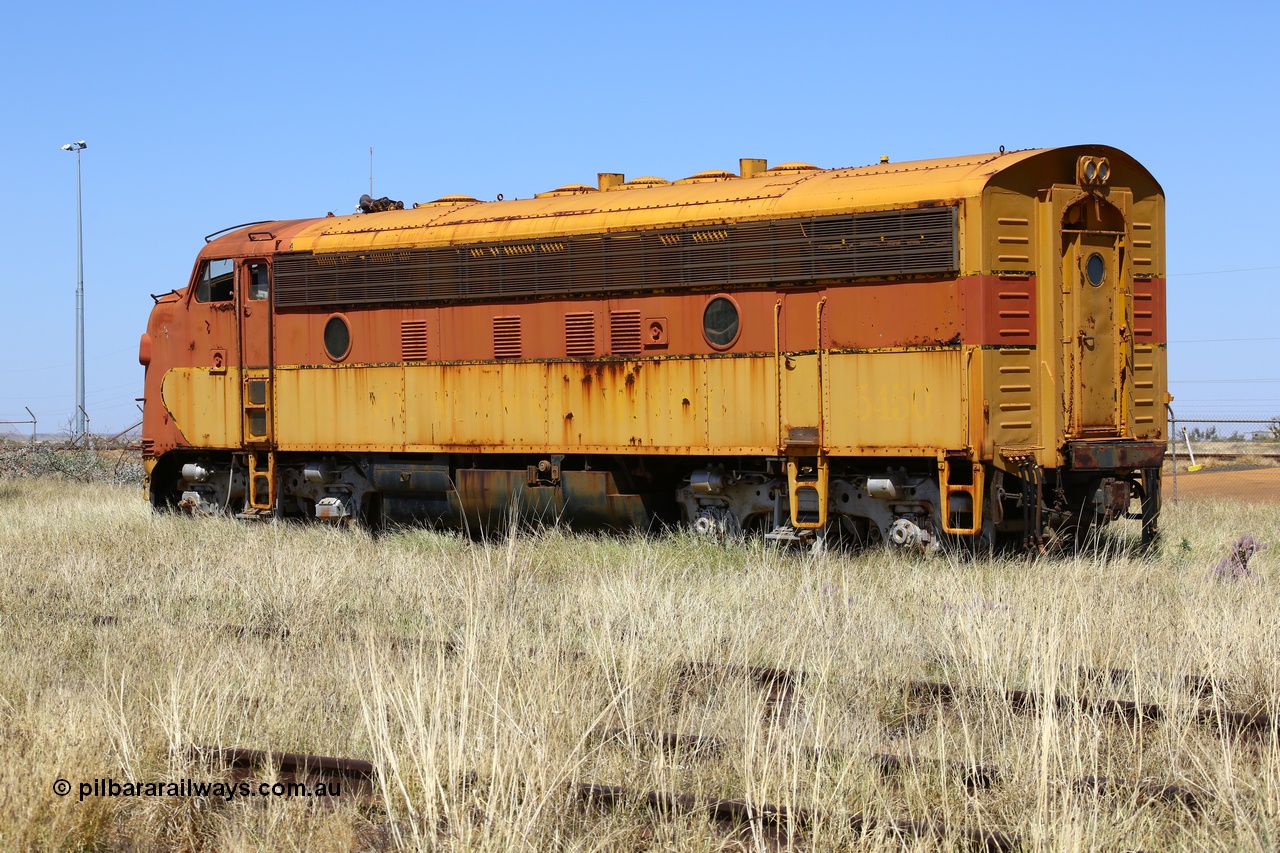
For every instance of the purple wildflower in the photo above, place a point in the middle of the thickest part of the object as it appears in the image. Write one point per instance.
(1235, 566)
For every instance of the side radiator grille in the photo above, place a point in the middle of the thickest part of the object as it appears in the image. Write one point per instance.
(923, 241)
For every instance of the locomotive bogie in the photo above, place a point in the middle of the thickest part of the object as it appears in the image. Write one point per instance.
(863, 508)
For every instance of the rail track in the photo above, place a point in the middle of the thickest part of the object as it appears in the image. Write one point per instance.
(356, 778)
(780, 817)
(1227, 722)
(779, 697)
(1224, 455)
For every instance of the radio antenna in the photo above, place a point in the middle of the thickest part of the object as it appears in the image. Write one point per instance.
(370, 171)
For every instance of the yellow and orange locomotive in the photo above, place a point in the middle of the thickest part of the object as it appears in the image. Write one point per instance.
(901, 352)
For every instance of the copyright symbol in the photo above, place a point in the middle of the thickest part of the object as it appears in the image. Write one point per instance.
(62, 787)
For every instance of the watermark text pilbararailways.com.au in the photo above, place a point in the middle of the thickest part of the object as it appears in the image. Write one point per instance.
(195, 788)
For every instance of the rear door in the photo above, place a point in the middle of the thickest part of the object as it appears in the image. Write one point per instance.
(1095, 334)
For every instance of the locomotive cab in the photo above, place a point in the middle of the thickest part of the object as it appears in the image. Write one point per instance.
(208, 367)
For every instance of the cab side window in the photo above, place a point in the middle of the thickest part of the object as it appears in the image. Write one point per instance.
(259, 281)
(217, 281)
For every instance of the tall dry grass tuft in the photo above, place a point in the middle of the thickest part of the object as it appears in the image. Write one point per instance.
(488, 680)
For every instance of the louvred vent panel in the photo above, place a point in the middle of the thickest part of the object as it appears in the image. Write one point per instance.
(413, 340)
(506, 337)
(580, 334)
(624, 332)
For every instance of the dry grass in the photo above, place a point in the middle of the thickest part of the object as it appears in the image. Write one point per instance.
(479, 678)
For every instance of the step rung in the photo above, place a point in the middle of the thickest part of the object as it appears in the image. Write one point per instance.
(973, 490)
(818, 483)
(789, 534)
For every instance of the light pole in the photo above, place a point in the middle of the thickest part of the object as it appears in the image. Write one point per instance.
(80, 414)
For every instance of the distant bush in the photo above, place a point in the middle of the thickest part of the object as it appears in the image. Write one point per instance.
(87, 464)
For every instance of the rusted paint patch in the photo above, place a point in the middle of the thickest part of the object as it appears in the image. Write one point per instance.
(1114, 455)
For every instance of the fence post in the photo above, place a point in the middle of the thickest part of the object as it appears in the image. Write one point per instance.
(1173, 443)
(88, 440)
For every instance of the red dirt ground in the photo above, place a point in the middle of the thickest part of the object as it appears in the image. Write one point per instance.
(1249, 484)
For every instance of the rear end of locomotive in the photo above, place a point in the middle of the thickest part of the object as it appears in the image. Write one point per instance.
(1072, 370)
(969, 349)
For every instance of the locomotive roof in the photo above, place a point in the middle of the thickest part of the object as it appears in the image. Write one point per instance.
(781, 192)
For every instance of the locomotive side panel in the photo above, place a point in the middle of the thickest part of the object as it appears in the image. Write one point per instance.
(1148, 393)
(1147, 397)
(741, 402)
(889, 403)
(905, 403)
(343, 408)
(624, 406)
(204, 403)
(1010, 378)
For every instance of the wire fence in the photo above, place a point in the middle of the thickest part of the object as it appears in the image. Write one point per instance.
(1206, 457)
(91, 461)
(1223, 458)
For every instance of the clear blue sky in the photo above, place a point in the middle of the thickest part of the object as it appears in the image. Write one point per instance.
(201, 116)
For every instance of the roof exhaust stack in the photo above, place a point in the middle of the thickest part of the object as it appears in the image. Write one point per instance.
(609, 180)
(749, 167)
(369, 204)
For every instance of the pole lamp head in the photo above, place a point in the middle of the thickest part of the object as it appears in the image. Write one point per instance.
(75, 146)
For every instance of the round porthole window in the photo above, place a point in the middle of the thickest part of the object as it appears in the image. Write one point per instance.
(1096, 269)
(720, 322)
(337, 337)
